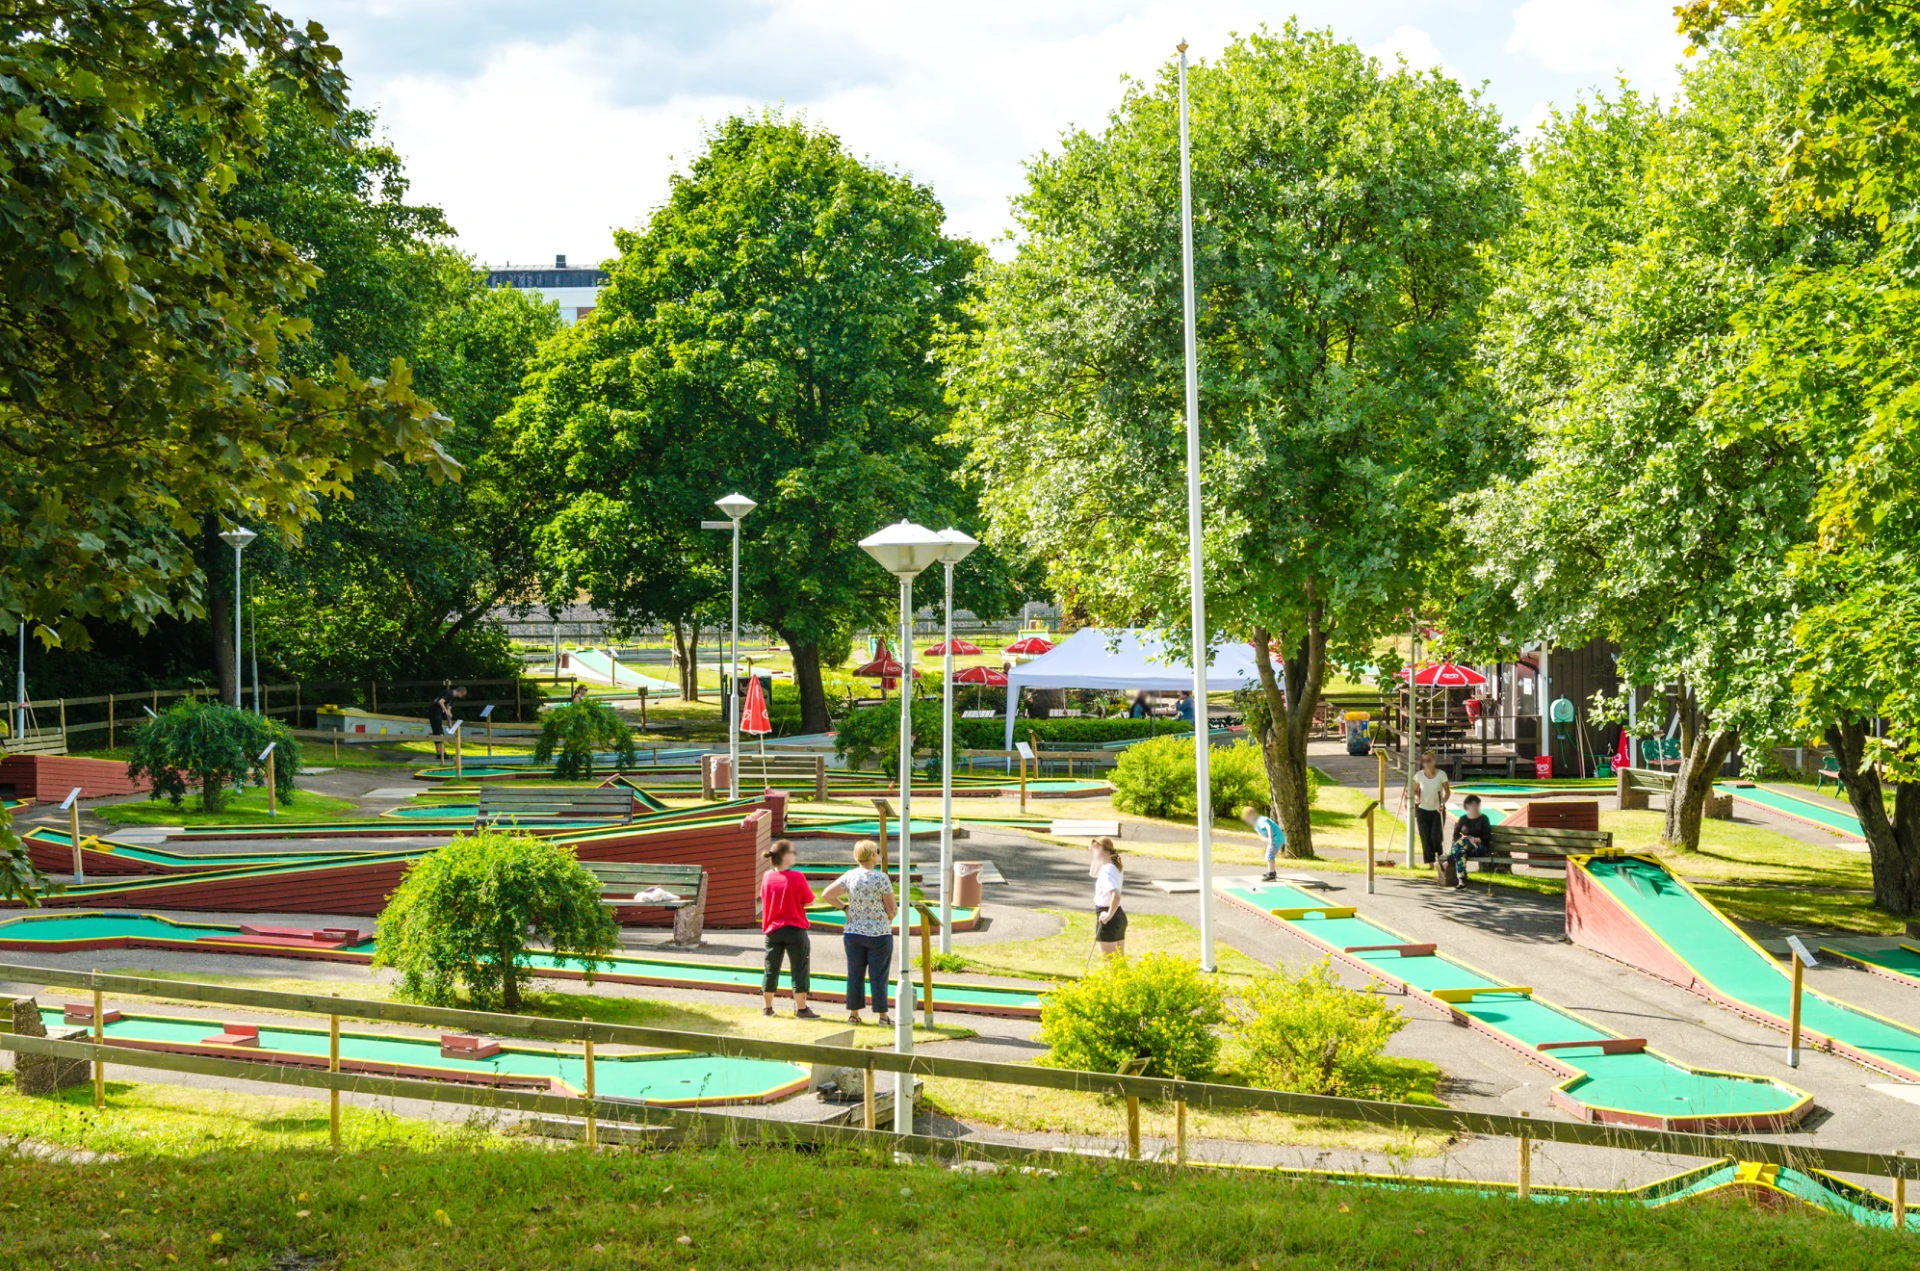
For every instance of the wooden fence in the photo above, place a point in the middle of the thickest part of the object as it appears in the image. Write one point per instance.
(1896, 1166)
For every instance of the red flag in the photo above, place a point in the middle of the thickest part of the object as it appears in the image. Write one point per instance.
(1623, 756)
(753, 712)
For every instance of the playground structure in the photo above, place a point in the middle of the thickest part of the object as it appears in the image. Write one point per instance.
(1632, 909)
(1606, 1078)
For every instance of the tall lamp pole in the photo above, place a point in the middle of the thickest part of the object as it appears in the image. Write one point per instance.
(735, 506)
(905, 550)
(958, 545)
(1201, 725)
(237, 538)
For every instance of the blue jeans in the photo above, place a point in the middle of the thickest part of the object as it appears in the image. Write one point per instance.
(869, 958)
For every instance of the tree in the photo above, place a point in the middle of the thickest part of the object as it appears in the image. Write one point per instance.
(462, 918)
(1340, 213)
(577, 732)
(770, 330)
(19, 880)
(206, 744)
(144, 381)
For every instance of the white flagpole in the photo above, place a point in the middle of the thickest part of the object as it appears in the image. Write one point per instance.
(1197, 575)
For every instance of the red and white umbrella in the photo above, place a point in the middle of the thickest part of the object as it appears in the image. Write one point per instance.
(980, 675)
(753, 711)
(1028, 646)
(1445, 675)
(961, 649)
(886, 668)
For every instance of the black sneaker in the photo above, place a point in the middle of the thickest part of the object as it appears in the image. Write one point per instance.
(805, 1012)
(1268, 878)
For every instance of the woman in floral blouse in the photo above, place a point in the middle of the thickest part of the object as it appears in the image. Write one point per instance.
(870, 904)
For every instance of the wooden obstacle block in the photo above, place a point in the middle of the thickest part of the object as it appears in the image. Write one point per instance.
(1404, 950)
(234, 1035)
(1467, 995)
(1319, 911)
(77, 1013)
(1607, 1045)
(467, 1046)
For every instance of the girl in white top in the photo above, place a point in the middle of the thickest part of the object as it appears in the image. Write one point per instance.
(1430, 813)
(1109, 920)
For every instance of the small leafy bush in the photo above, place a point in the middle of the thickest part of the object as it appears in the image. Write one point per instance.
(1159, 1006)
(213, 746)
(874, 732)
(1312, 1035)
(571, 735)
(1155, 778)
(463, 917)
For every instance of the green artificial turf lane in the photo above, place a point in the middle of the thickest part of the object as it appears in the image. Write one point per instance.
(670, 1077)
(1902, 960)
(1642, 1083)
(1718, 954)
(1832, 815)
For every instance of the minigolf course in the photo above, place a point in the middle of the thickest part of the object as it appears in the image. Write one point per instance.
(1900, 963)
(1608, 1078)
(663, 1078)
(1633, 910)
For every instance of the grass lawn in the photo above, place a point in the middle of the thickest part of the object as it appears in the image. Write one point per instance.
(1066, 954)
(467, 1202)
(313, 754)
(240, 809)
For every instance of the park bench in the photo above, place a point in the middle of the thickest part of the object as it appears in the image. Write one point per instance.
(1829, 771)
(505, 803)
(1531, 843)
(621, 881)
(43, 741)
(782, 772)
(1634, 786)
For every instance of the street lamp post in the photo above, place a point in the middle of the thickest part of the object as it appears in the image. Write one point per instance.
(735, 506)
(958, 545)
(904, 550)
(237, 538)
(1202, 727)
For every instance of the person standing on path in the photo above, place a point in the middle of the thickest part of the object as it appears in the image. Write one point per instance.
(440, 719)
(1109, 919)
(1434, 789)
(784, 897)
(869, 934)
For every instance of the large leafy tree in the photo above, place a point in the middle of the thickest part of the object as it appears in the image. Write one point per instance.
(145, 382)
(770, 330)
(1340, 209)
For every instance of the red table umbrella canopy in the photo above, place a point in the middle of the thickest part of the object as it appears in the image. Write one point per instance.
(1031, 645)
(961, 649)
(753, 710)
(1446, 675)
(884, 667)
(980, 675)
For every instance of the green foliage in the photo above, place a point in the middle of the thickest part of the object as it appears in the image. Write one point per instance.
(989, 734)
(1159, 1007)
(571, 735)
(463, 918)
(1309, 1034)
(770, 330)
(19, 880)
(1156, 778)
(1342, 215)
(202, 743)
(142, 321)
(874, 732)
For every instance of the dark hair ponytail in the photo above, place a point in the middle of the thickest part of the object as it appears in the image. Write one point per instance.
(780, 848)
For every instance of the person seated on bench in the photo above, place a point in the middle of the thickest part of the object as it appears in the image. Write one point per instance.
(1472, 836)
(1275, 840)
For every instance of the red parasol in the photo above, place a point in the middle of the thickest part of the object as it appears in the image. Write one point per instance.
(753, 711)
(884, 667)
(980, 675)
(1030, 645)
(961, 649)
(1445, 675)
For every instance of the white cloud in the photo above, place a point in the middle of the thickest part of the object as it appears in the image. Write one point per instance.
(1417, 47)
(1599, 37)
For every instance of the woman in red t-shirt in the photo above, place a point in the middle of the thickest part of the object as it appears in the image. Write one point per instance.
(784, 897)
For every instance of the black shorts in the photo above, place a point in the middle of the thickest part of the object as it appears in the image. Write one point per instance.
(1113, 930)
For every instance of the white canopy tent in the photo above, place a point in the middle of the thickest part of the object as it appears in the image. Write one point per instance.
(1127, 658)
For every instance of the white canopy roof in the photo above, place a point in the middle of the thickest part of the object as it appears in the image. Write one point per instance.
(1136, 659)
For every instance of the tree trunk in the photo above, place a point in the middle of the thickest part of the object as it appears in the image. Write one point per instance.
(1893, 843)
(1703, 749)
(220, 608)
(509, 980)
(813, 692)
(1283, 743)
(686, 659)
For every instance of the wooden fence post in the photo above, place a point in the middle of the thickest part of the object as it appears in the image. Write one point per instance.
(99, 1039)
(871, 1119)
(333, 1065)
(109, 721)
(592, 1136)
(1526, 1163)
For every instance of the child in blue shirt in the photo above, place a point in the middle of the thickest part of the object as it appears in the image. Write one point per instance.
(1275, 839)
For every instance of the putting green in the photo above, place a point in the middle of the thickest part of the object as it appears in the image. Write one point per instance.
(1725, 959)
(1637, 1085)
(1901, 963)
(1833, 816)
(675, 1078)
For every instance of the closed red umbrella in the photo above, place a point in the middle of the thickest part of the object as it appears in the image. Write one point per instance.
(980, 675)
(961, 649)
(1028, 646)
(753, 711)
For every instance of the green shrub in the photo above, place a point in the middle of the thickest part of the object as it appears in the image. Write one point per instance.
(1155, 778)
(571, 735)
(213, 746)
(1309, 1034)
(464, 914)
(1159, 1006)
(874, 732)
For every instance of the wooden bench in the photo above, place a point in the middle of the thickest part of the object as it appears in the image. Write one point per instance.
(621, 881)
(1634, 786)
(503, 803)
(1529, 841)
(47, 741)
(785, 772)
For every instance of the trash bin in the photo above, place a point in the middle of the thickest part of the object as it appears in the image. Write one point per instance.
(966, 884)
(1357, 743)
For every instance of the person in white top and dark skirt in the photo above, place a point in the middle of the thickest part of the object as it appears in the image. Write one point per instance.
(1109, 919)
(1434, 789)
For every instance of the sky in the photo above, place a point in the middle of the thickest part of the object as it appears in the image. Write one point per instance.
(541, 128)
